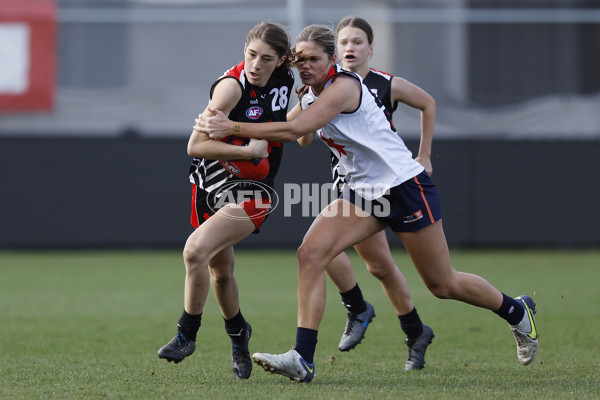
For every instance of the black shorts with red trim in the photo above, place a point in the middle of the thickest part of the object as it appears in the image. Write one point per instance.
(408, 207)
(205, 205)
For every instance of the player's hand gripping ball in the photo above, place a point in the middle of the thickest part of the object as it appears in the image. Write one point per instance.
(255, 169)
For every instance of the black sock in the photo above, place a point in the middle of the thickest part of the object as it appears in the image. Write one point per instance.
(511, 310)
(353, 300)
(236, 326)
(411, 324)
(189, 324)
(306, 343)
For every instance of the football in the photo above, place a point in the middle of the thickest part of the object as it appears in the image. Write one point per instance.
(255, 169)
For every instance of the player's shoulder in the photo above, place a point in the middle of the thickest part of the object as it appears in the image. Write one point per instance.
(337, 71)
(376, 74)
(228, 85)
(225, 80)
(235, 72)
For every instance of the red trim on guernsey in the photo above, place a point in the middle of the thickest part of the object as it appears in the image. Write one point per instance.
(235, 71)
(332, 72)
(381, 73)
(425, 200)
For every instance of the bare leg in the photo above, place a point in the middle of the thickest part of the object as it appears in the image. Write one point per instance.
(224, 284)
(429, 252)
(211, 243)
(338, 227)
(341, 272)
(376, 253)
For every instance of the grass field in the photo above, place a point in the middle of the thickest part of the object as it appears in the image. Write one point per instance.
(87, 325)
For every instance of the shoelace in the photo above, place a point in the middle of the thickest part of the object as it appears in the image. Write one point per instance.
(520, 340)
(181, 339)
(350, 323)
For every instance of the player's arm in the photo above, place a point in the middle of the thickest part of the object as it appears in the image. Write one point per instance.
(408, 93)
(226, 95)
(306, 139)
(342, 95)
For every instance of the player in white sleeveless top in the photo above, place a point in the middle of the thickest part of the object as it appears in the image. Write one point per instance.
(355, 46)
(412, 210)
(373, 162)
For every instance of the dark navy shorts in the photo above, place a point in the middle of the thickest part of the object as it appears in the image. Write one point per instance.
(408, 207)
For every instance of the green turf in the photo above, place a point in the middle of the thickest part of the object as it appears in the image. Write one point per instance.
(87, 325)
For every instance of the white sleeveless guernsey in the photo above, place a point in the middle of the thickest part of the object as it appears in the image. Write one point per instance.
(372, 155)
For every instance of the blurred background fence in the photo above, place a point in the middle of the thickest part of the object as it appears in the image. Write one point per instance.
(97, 99)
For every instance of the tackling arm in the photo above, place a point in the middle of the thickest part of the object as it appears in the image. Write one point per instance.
(342, 95)
(306, 139)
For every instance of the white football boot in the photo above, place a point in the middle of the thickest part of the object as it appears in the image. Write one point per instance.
(525, 332)
(289, 364)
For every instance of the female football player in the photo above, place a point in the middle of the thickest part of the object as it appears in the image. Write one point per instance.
(255, 90)
(384, 187)
(355, 47)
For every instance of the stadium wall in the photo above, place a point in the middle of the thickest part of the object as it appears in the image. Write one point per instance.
(133, 193)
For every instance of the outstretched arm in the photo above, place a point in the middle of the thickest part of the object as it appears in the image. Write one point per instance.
(306, 139)
(412, 95)
(342, 95)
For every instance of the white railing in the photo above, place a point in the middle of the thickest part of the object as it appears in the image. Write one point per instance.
(295, 11)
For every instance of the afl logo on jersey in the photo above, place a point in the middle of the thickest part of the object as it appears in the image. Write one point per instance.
(254, 112)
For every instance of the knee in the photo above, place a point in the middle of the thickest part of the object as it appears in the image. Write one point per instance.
(308, 258)
(380, 271)
(194, 256)
(304, 254)
(441, 290)
(220, 278)
(221, 273)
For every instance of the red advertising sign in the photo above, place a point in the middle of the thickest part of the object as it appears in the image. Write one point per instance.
(27, 55)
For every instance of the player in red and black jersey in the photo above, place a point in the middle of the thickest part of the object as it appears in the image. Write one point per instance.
(226, 208)
(256, 104)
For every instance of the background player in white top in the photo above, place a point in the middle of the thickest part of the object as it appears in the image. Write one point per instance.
(353, 122)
